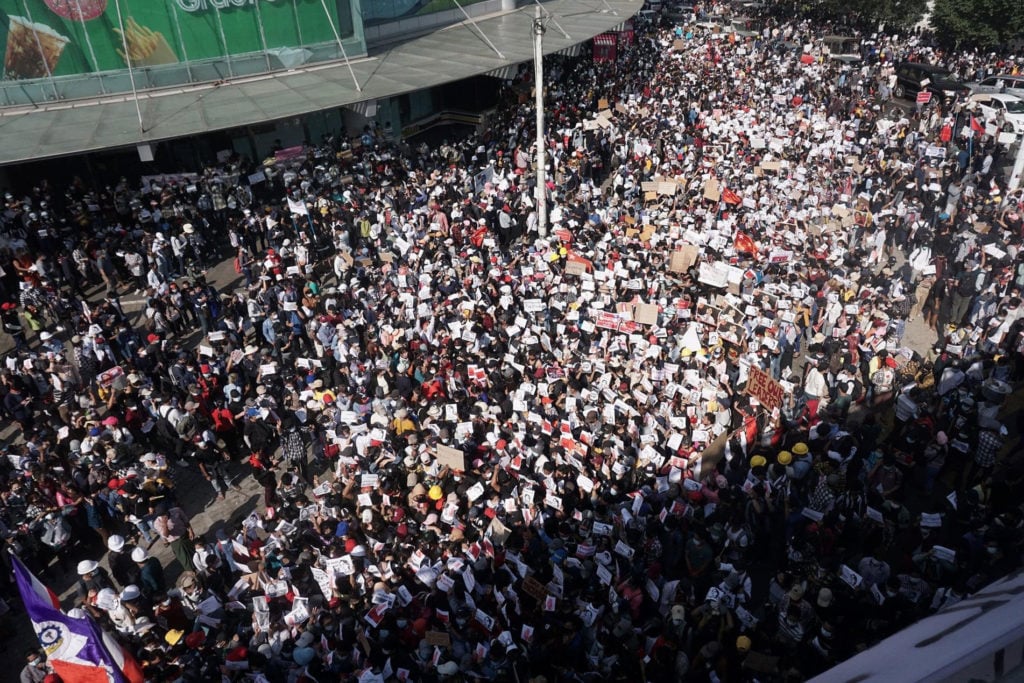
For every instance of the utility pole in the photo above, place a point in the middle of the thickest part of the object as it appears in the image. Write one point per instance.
(538, 86)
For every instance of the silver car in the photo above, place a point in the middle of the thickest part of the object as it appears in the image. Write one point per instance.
(1003, 83)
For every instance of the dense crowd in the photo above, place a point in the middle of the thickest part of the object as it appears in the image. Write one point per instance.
(495, 450)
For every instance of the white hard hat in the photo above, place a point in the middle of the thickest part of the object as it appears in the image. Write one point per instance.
(131, 592)
(106, 595)
(87, 566)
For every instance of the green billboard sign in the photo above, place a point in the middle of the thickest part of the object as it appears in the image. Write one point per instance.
(43, 38)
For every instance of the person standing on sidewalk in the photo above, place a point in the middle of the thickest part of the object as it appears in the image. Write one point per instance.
(12, 324)
(212, 463)
(294, 448)
(175, 529)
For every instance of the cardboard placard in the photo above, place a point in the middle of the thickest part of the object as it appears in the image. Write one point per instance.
(454, 458)
(575, 268)
(712, 190)
(534, 588)
(764, 388)
(438, 638)
(602, 104)
(643, 235)
(646, 314)
(683, 259)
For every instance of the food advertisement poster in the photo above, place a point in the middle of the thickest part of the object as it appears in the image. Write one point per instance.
(43, 38)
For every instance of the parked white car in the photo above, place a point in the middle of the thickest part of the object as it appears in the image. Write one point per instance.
(1008, 110)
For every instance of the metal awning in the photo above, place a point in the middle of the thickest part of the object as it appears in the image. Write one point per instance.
(449, 54)
(571, 51)
(366, 108)
(505, 73)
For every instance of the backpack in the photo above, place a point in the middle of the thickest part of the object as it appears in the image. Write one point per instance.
(186, 426)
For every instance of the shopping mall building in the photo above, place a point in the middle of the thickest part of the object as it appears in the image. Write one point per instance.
(166, 85)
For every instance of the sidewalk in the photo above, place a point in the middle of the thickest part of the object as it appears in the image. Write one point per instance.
(196, 495)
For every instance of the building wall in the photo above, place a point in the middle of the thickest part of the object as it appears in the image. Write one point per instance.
(57, 52)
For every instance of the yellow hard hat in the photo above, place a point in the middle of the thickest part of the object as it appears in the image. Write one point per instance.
(800, 449)
(784, 458)
(435, 492)
(758, 461)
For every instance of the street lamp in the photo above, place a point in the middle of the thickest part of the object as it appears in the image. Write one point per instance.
(538, 86)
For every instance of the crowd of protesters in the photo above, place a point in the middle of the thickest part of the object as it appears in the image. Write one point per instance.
(495, 450)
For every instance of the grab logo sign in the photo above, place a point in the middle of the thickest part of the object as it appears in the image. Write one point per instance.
(204, 5)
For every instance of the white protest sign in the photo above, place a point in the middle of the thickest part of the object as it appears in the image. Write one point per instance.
(324, 581)
(714, 274)
(475, 491)
(850, 577)
(341, 566)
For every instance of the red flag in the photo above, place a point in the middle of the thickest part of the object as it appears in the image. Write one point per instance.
(730, 197)
(977, 127)
(81, 673)
(744, 243)
(477, 238)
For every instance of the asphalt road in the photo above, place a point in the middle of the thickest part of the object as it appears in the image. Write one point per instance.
(196, 495)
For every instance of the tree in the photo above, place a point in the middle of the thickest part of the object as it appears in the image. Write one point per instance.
(895, 14)
(867, 15)
(977, 23)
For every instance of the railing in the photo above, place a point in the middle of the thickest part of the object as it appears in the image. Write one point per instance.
(442, 118)
(81, 86)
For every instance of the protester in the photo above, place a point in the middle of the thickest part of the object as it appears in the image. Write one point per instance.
(681, 432)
